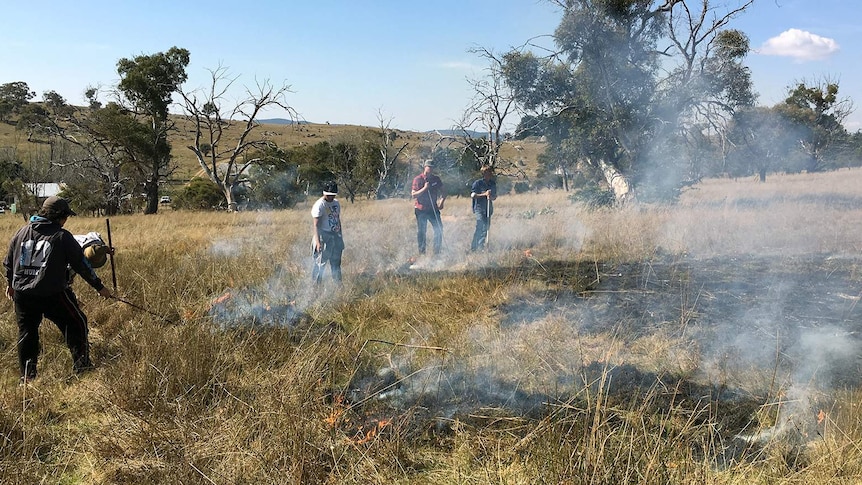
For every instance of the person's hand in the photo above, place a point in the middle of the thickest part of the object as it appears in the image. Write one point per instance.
(440, 205)
(105, 292)
(10, 293)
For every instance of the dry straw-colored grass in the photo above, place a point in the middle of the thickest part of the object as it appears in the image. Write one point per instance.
(474, 368)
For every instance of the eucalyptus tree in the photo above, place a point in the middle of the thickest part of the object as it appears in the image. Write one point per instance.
(818, 114)
(226, 144)
(354, 160)
(626, 75)
(762, 141)
(146, 88)
(13, 97)
(106, 143)
(276, 184)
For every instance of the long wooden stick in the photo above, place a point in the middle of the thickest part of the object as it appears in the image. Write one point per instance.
(409, 345)
(111, 255)
(488, 222)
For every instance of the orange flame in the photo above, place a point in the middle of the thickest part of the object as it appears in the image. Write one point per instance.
(371, 433)
(337, 411)
(528, 254)
(821, 416)
(225, 297)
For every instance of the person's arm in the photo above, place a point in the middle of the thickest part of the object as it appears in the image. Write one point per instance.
(316, 232)
(8, 263)
(417, 190)
(441, 190)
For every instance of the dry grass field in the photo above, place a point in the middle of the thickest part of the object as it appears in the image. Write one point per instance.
(712, 341)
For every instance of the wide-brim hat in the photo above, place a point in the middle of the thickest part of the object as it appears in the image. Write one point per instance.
(97, 255)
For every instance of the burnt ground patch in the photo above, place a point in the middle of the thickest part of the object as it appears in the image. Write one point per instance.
(792, 322)
(800, 315)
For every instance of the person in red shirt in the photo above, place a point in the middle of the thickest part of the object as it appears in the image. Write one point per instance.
(429, 195)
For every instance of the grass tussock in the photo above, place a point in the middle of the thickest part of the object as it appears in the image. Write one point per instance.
(697, 343)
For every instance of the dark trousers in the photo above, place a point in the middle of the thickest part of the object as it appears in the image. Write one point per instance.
(331, 247)
(63, 310)
(480, 235)
(422, 220)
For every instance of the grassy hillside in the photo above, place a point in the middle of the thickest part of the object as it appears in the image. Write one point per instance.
(713, 341)
(14, 143)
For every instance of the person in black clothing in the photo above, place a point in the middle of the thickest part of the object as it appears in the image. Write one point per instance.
(483, 192)
(37, 283)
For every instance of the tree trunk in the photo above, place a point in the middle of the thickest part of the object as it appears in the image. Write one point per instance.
(151, 191)
(616, 180)
(228, 196)
(565, 177)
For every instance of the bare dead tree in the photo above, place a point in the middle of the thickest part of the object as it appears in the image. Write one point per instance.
(389, 153)
(492, 105)
(224, 160)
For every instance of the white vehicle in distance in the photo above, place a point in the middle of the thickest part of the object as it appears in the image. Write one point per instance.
(165, 200)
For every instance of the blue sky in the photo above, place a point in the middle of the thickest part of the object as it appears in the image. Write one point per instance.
(349, 61)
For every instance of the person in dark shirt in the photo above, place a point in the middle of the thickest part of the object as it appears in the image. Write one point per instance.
(37, 282)
(429, 195)
(484, 193)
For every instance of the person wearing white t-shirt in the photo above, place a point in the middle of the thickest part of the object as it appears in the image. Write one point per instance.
(327, 243)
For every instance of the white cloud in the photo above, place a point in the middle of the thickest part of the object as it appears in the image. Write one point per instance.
(800, 45)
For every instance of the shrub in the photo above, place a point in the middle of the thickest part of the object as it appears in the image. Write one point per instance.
(200, 194)
(522, 187)
(593, 196)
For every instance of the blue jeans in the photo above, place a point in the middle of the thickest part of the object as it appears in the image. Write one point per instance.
(422, 220)
(480, 235)
(330, 252)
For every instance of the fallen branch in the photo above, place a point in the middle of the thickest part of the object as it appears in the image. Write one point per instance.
(409, 345)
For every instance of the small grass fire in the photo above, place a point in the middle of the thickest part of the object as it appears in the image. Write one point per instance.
(237, 307)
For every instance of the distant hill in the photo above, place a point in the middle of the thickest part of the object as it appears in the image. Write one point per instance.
(446, 132)
(451, 132)
(282, 121)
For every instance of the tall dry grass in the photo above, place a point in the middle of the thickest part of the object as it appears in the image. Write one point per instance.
(470, 368)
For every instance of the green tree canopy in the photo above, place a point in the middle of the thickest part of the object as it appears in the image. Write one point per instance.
(148, 82)
(13, 97)
(611, 92)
